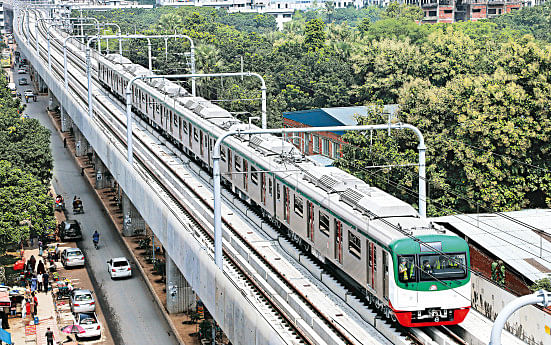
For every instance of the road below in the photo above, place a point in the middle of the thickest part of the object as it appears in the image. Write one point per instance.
(132, 315)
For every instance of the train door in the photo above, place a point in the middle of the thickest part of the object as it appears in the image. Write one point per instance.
(263, 190)
(245, 175)
(230, 166)
(370, 264)
(201, 143)
(310, 220)
(286, 203)
(338, 241)
(385, 275)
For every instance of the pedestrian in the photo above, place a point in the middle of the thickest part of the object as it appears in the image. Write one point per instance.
(4, 317)
(40, 248)
(32, 262)
(40, 269)
(39, 281)
(34, 283)
(49, 337)
(34, 98)
(35, 300)
(33, 307)
(28, 308)
(64, 142)
(24, 308)
(45, 281)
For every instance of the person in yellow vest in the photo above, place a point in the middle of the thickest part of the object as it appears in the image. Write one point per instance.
(403, 270)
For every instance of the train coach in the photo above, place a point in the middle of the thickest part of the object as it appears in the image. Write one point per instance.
(412, 270)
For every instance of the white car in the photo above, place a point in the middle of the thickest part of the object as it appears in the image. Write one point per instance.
(72, 257)
(21, 71)
(82, 301)
(90, 323)
(119, 268)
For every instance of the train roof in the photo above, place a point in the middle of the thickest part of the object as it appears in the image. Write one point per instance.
(336, 190)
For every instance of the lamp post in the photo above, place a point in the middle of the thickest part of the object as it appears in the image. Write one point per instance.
(128, 94)
(216, 168)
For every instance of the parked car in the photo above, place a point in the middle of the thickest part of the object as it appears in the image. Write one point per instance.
(69, 229)
(119, 268)
(90, 323)
(82, 301)
(72, 257)
(23, 81)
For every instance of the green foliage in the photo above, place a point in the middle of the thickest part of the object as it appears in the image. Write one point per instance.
(541, 284)
(396, 10)
(479, 91)
(315, 34)
(532, 20)
(24, 200)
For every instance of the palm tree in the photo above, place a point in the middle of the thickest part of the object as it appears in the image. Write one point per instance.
(170, 22)
(207, 61)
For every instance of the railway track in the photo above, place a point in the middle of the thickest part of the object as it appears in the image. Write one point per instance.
(234, 267)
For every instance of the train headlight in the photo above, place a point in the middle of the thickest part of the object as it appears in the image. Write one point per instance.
(433, 288)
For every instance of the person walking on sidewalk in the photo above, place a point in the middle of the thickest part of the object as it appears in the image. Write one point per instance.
(39, 280)
(49, 337)
(45, 281)
(34, 283)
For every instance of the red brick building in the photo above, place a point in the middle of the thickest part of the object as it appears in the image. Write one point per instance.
(450, 11)
(327, 144)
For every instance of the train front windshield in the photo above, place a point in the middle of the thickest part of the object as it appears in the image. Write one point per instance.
(432, 267)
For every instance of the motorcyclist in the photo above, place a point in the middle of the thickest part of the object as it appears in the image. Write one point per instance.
(59, 200)
(95, 238)
(77, 203)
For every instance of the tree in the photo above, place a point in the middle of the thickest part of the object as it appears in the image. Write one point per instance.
(395, 10)
(315, 34)
(541, 284)
(25, 206)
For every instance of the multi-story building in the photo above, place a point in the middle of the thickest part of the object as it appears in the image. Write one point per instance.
(327, 144)
(282, 9)
(2, 23)
(450, 11)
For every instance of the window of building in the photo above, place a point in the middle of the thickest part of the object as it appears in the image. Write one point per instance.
(254, 175)
(354, 245)
(324, 223)
(491, 11)
(325, 148)
(432, 13)
(476, 10)
(298, 206)
(316, 147)
(448, 11)
(336, 150)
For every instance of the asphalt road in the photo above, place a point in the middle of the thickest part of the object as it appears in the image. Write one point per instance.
(131, 313)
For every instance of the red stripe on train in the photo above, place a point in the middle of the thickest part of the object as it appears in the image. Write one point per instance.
(404, 318)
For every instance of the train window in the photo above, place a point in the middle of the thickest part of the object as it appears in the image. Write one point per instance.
(435, 267)
(185, 125)
(299, 207)
(237, 163)
(406, 268)
(375, 258)
(254, 175)
(324, 223)
(354, 245)
(316, 147)
(270, 186)
(195, 134)
(223, 154)
(175, 119)
(369, 253)
(278, 191)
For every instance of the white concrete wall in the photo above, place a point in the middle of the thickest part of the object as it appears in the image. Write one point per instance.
(527, 323)
(235, 313)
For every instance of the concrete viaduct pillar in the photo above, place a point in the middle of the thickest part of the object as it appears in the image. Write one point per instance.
(66, 121)
(132, 220)
(179, 295)
(101, 173)
(81, 144)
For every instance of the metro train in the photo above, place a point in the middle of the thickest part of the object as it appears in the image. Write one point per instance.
(409, 268)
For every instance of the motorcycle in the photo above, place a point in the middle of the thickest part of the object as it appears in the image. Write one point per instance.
(59, 204)
(77, 207)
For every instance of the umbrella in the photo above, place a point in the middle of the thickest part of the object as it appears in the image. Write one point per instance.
(73, 329)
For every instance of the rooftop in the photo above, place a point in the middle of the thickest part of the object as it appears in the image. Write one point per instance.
(512, 237)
